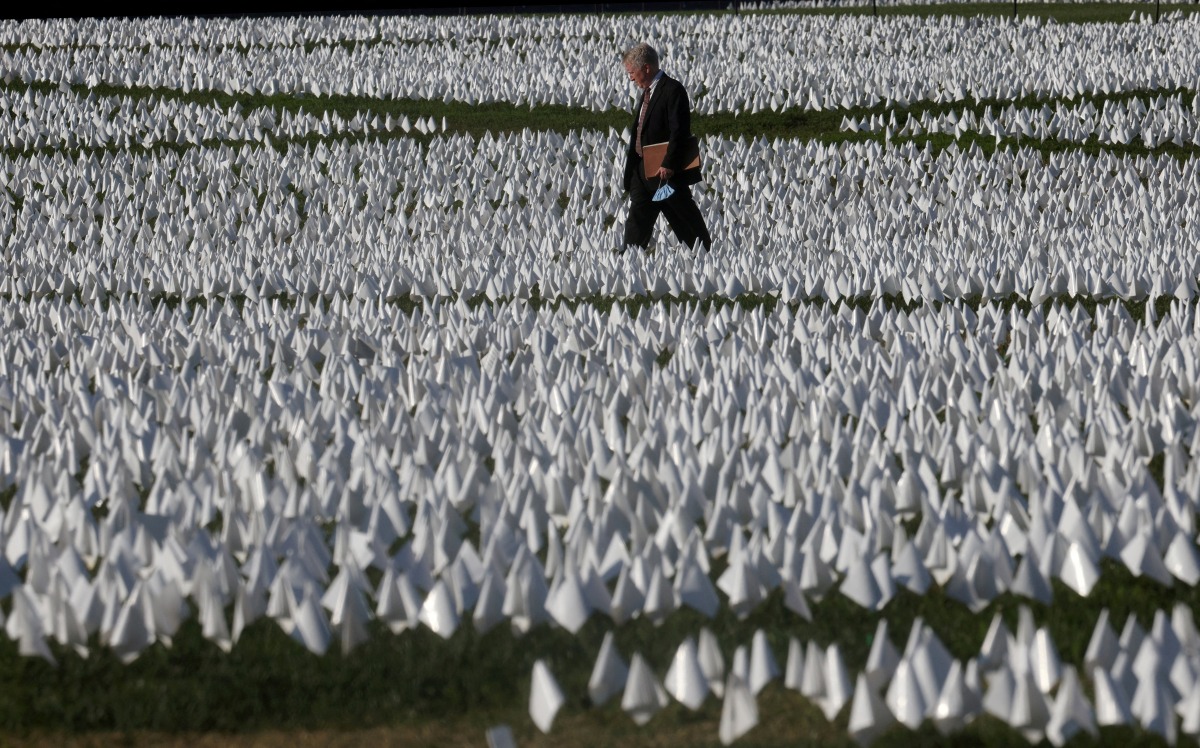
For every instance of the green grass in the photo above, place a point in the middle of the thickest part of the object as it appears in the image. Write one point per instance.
(1136, 308)
(269, 680)
(471, 681)
(480, 119)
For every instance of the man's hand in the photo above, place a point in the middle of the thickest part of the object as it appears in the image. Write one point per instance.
(664, 173)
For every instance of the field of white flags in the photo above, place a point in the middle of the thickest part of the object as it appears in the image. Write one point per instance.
(327, 398)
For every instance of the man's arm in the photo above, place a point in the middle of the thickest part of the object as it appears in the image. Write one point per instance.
(679, 125)
(631, 166)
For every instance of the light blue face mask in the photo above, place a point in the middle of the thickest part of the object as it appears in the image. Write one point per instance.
(664, 191)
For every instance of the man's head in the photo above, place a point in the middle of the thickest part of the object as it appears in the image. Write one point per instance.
(641, 63)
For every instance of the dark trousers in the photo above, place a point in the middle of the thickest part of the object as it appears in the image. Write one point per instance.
(680, 209)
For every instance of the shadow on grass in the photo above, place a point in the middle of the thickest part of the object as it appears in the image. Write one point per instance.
(268, 681)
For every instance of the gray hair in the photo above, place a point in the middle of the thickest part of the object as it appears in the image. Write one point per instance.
(639, 55)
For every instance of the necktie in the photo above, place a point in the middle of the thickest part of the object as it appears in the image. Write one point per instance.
(642, 118)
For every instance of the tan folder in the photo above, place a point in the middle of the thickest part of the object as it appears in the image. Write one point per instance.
(653, 155)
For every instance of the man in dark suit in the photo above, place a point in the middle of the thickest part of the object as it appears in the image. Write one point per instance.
(662, 114)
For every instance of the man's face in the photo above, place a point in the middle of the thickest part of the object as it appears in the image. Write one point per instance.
(641, 76)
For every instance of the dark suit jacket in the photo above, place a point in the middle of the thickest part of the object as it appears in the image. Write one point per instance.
(668, 119)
